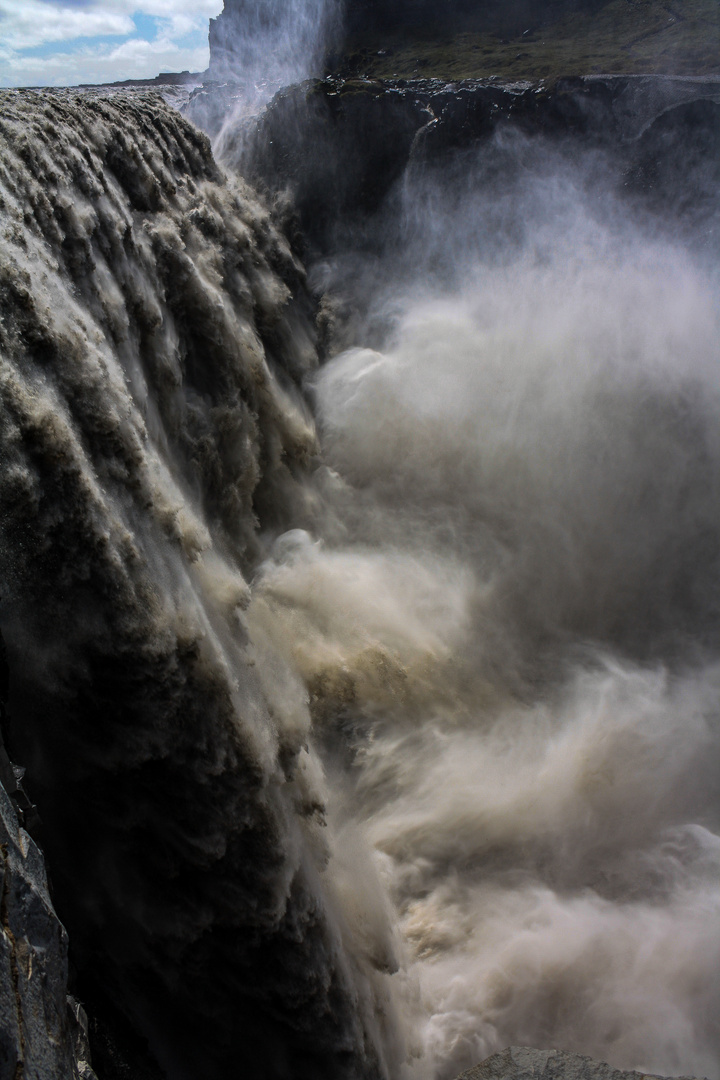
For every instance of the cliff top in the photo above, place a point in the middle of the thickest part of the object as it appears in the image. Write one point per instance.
(526, 40)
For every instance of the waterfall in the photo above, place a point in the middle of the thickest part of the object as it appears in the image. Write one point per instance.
(370, 706)
(257, 47)
(152, 428)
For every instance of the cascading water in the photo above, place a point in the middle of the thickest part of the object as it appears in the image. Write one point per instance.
(368, 749)
(151, 425)
(271, 44)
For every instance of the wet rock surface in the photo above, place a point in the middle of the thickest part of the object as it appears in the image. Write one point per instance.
(43, 1031)
(341, 146)
(524, 1063)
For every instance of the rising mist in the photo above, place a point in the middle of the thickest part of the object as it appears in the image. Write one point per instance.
(507, 626)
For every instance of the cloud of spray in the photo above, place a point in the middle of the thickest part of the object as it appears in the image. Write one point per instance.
(507, 628)
(261, 46)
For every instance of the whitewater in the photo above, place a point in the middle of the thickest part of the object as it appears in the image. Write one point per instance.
(368, 692)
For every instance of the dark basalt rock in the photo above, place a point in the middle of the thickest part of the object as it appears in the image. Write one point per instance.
(43, 1031)
(524, 1063)
(338, 146)
(242, 20)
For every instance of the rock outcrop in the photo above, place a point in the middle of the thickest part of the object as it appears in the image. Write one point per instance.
(43, 1031)
(524, 1063)
(243, 24)
(339, 146)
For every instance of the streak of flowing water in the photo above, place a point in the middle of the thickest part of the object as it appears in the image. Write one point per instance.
(151, 348)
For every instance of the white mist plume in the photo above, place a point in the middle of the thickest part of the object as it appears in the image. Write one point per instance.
(508, 638)
(260, 46)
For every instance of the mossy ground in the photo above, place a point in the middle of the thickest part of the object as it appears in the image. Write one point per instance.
(670, 37)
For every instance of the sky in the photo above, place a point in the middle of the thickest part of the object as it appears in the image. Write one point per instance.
(67, 42)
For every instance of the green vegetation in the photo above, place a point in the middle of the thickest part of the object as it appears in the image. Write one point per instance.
(670, 37)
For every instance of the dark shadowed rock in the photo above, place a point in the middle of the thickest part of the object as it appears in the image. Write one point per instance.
(43, 1032)
(340, 146)
(524, 1063)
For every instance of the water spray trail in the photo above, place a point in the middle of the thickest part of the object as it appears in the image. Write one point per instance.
(258, 47)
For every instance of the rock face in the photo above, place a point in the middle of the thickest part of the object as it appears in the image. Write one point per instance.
(43, 1032)
(243, 24)
(523, 1063)
(341, 146)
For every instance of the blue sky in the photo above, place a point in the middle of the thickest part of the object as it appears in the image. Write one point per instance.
(66, 42)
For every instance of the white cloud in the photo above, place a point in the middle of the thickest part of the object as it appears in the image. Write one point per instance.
(179, 42)
(134, 59)
(179, 25)
(167, 8)
(26, 24)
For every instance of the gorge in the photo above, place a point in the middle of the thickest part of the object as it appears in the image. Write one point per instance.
(359, 561)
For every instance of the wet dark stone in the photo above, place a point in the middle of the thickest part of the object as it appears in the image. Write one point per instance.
(524, 1063)
(341, 146)
(43, 1032)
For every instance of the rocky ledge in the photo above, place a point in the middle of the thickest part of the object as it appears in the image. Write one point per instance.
(524, 1063)
(338, 146)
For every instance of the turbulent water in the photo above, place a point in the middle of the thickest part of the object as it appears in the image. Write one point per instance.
(372, 710)
(151, 426)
